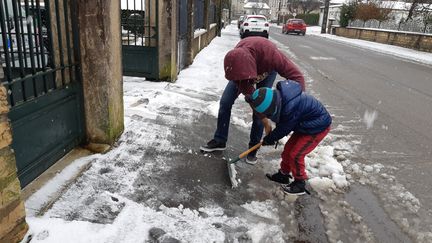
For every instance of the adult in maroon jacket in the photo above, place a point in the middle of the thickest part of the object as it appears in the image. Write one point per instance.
(252, 64)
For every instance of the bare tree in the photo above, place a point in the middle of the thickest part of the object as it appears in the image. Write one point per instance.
(419, 8)
(308, 6)
(373, 10)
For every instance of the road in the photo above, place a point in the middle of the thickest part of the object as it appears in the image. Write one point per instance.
(354, 82)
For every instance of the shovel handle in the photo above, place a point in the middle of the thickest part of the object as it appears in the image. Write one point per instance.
(245, 153)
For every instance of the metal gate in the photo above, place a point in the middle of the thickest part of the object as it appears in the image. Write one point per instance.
(182, 33)
(139, 23)
(38, 49)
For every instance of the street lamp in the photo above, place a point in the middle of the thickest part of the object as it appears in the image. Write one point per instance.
(325, 16)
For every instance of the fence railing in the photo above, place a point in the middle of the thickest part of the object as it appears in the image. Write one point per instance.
(410, 26)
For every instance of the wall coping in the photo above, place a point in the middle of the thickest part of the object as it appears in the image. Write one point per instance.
(386, 30)
(199, 32)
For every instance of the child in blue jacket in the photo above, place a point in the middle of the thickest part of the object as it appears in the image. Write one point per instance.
(292, 110)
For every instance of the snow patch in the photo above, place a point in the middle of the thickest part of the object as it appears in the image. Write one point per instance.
(264, 209)
(369, 118)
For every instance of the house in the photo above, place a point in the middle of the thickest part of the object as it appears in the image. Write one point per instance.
(237, 9)
(400, 10)
(252, 7)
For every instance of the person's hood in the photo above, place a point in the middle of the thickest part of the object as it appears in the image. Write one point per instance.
(276, 115)
(289, 89)
(239, 64)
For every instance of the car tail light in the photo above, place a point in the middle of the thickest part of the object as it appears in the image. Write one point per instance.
(266, 25)
(245, 24)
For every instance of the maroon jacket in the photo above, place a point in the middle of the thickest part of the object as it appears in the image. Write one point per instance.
(253, 59)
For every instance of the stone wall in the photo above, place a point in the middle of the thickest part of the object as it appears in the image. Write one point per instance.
(416, 41)
(203, 39)
(12, 214)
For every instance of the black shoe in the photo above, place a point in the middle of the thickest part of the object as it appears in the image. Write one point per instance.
(297, 187)
(279, 177)
(213, 145)
(251, 157)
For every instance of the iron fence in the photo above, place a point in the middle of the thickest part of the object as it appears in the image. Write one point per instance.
(138, 24)
(415, 25)
(30, 32)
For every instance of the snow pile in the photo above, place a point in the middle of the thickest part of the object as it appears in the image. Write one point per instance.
(264, 209)
(324, 170)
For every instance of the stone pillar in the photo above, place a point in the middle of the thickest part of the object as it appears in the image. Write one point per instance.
(101, 65)
(150, 17)
(12, 213)
(167, 40)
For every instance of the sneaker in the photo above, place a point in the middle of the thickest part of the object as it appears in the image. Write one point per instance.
(297, 187)
(251, 158)
(279, 177)
(213, 145)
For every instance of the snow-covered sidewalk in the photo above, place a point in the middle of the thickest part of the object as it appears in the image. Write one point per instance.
(155, 179)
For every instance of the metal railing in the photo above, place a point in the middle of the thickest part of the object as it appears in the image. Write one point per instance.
(37, 47)
(138, 21)
(415, 25)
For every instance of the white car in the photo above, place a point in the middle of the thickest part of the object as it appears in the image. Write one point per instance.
(254, 25)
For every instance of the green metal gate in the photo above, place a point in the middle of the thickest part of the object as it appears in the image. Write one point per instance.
(139, 21)
(39, 54)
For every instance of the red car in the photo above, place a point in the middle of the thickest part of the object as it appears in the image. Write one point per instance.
(297, 26)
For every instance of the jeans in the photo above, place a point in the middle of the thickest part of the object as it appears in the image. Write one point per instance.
(227, 100)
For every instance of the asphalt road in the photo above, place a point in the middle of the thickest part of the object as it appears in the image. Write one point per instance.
(352, 81)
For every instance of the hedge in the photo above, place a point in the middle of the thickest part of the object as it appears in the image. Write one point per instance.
(309, 19)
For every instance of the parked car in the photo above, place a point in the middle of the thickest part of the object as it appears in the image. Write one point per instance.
(297, 26)
(254, 25)
(240, 21)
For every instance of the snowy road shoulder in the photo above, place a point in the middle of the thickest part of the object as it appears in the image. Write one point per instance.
(397, 51)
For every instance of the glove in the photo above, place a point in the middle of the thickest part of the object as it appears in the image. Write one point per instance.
(267, 142)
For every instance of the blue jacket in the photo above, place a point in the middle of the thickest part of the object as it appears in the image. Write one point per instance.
(298, 112)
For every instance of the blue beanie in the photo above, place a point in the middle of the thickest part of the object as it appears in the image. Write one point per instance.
(264, 100)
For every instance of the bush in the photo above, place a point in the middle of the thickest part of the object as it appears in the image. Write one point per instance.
(309, 19)
(347, 13)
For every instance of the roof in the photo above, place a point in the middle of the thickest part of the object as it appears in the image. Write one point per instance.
(250, 5)
(395, 5)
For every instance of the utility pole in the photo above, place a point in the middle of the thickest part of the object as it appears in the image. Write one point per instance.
(219, 14)
(279, 9)
(325, 16)
(229, 12)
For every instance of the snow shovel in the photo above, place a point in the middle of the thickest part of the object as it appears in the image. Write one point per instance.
(231, 164)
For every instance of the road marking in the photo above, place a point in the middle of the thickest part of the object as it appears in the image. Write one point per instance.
(304, 46)
(323, 58)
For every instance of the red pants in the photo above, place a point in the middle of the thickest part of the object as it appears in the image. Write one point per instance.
(297, 147)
